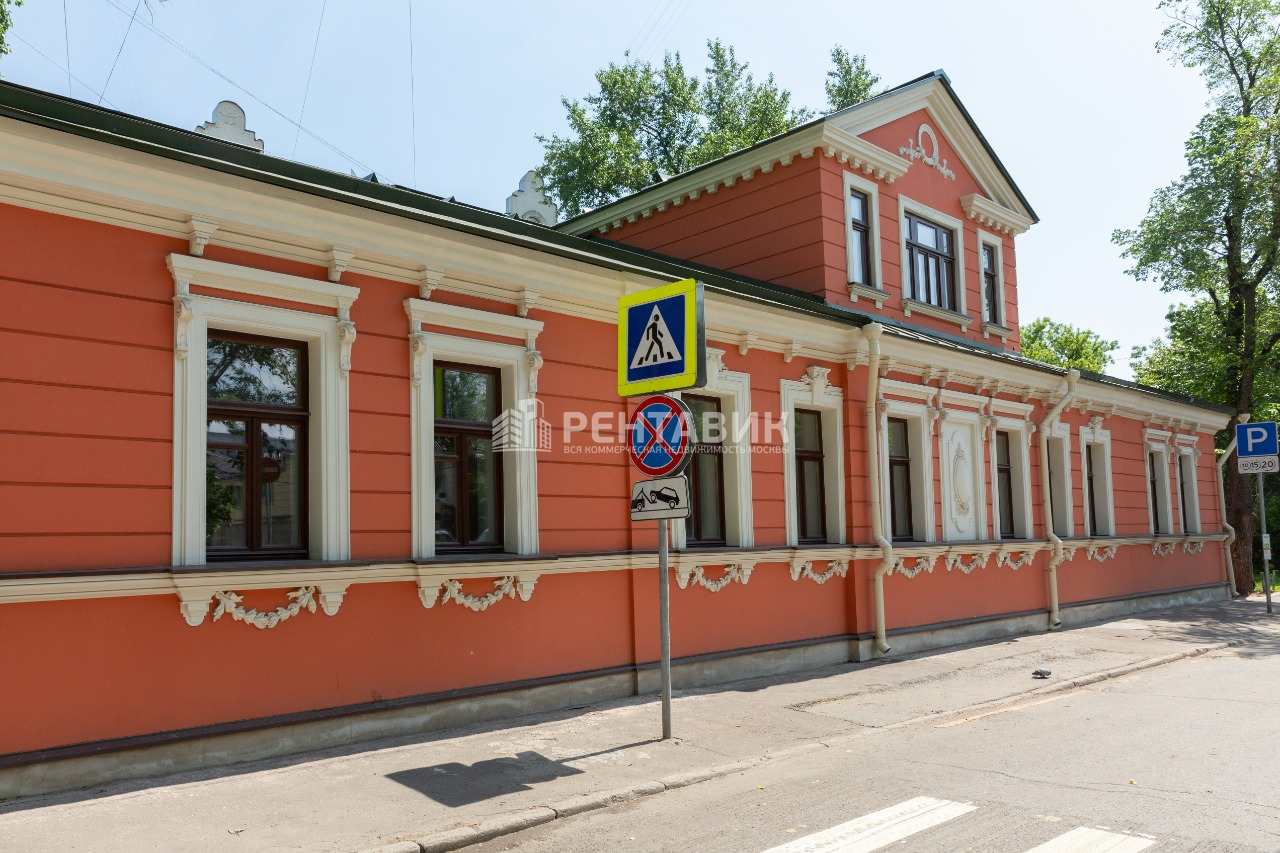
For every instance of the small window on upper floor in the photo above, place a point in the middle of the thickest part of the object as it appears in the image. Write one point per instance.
(931, 256)
(860, 239)
(991, 300)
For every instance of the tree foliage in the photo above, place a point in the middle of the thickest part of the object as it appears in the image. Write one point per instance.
(1066, 346)
(6, 23)
(651, 121)
(1214, 233)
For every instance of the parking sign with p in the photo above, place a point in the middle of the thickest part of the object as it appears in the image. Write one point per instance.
(1257, 450)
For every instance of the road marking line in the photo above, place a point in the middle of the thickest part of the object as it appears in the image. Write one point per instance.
(1006, 710)
(1085, 839)
(879, 829)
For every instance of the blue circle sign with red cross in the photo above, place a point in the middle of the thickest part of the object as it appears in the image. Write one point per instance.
(660, 436)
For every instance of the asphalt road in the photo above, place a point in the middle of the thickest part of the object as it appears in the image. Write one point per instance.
(1177, 758)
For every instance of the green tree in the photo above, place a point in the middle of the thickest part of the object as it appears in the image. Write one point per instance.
(648, 121)
(1066, 346)
(1214, 233)
(849, 81)
(6, 23)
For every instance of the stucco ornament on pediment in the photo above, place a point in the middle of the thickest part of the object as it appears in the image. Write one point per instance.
(930, 155)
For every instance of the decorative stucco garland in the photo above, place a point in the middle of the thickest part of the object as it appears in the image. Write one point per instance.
(1007, 560)
(1192, 547)
(1163, 550)
(804, 569)
(732, 572)
(229, 605)
(1100, 552)
(956, 561)
(502, 588)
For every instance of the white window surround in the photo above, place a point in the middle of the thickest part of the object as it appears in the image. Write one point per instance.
(919, 417)
(329, 340)
(1063, 492)
(733, 390)
(979, 484)
(518, 368)
(1000, 329)
(1020, 465)
(874, 289)
(1187, 456)
(961, 316)
(1099, 439)
(812, 391)
(1157, 442)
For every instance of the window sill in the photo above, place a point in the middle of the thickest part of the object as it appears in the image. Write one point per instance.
(873, 294)
(1001, 332)
(945, 314)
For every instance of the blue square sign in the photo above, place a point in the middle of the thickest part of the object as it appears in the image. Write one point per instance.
(1256, 440)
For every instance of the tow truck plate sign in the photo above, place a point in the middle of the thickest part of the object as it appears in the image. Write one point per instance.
(657, 499)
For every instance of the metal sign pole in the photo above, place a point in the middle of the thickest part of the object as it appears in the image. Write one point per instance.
(664, 629)
(1266, 559)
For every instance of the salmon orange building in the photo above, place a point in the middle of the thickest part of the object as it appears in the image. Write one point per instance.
(292, 458)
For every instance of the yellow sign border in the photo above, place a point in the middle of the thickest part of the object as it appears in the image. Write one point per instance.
(689, 379)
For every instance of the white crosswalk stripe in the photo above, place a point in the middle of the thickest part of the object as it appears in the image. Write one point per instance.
(1087, 840)
(879, 829)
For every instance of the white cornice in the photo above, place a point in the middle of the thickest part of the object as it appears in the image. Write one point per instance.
(825, 139)
(188, 270)
(986, 212)
(472, 320)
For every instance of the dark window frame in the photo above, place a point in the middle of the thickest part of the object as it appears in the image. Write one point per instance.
(947, 297)
(802, 485)
(461, 431)
(904, 462)
(861, 231)
(1004, 485)
(1155, 497)
(254, 415)
(1182, 493)
(990, 282)
(693, 524)
(1092, 516)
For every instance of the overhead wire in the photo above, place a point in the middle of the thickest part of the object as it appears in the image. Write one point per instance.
(66, 40)
(643, 25)
(643, 47)
(315, 48)
(127, 30)
(413, 101)
(679, 10)
(58, 66)
(182, 49)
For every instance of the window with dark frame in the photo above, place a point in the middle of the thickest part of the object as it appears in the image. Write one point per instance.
(468, 494)
(705, 523)
(860, 239)
(990, 284)
(811, 498)
(900, 524)
(256, 448)
(1004, 485)
(1089, 451)
(1155, 497)
(931, 259)
(1182, 494)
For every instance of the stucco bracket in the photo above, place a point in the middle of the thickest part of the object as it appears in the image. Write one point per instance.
(201, 231)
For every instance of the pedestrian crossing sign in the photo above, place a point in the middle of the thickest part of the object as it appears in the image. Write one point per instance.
(662, 340)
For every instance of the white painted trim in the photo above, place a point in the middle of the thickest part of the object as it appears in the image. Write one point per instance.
(813, 392)
(876, 268)
(1020, 463)
(907, 205)
(1185, 459)
(1063, 500)
(986, 238)
(984, 211)
(328, 342)
(920, 438)
(733, 390)
(1101, 439)
(978, 497)
(909, 390)
(1157, 442)
(473, 320)
(187, 270)
(517, 368)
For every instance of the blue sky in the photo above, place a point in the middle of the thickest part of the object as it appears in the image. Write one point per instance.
(1086, 116)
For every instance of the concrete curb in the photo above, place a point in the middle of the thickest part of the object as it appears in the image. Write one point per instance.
(454, 839)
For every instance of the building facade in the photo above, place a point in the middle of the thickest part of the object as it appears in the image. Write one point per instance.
(292, 458)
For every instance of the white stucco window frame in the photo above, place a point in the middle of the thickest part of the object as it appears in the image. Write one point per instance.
(874, 290)
(1157, 442)
(733, 390)
(919, 414)
(1187, 456)
(909, 305)
(979, 484)
(1062, 489)
(518, 366)
(812, 391)
(1020, 465)
(1099, 438)
(1001, 329)
(329, 340)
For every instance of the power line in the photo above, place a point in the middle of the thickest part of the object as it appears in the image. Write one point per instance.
(632, 43)
(314, 50)
(66, 40)
(675, 19)
(56, 65)
(642, 46)
(179, 47)
(127, 29)
(413, 101)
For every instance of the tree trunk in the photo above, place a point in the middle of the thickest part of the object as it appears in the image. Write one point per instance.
(1241, 516)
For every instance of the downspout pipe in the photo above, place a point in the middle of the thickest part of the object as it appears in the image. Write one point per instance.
(1047, 423)
(1243, 418)
(872, 332)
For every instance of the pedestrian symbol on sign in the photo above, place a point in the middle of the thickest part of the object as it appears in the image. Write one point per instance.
(658, 346)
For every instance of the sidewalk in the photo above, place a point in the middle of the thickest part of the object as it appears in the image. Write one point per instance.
(446, 789)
